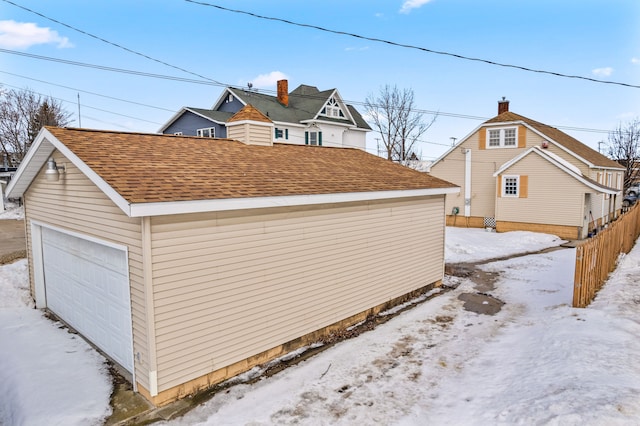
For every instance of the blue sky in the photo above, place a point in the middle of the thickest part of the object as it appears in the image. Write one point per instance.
(590, 38)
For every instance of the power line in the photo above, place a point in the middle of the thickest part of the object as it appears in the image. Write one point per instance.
(86, 91)
(263, 91)
(110, 43)
(84, 105)
(409, 46)
(106, 68)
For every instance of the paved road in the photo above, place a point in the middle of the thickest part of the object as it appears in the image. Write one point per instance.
(12, 240)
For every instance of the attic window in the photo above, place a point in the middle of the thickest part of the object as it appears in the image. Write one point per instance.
(332, 109)
(208, 132)
(502, 138)
(229, 98)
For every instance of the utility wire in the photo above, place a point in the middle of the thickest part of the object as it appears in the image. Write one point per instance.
(84, 105)
(111, 43)
(409, 46)
(105, 68)
(263, 91)
(88, 92)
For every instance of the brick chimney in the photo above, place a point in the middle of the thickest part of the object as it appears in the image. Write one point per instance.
(283, 92)
(503, 106)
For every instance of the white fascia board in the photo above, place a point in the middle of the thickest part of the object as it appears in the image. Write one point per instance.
(511, 162)
(234, 93)
(320, 121)
(504, 123)
(562, 165)
(609, 168)
(559, 145)
(182, 207)
(204, 116)
(343, 106)
(288, 124)
(46, 143)
(456, 146)
(94, 177)
(172, 119)
(257, 123)
(222, 96)
(568, 151)
(30, 165)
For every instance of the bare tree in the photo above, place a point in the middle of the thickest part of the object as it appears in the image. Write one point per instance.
(624, 147)
(393, 114)
(22, 114)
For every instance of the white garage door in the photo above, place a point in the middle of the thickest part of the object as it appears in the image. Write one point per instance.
(87, 285)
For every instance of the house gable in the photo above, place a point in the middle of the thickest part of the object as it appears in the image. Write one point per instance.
(189, 120)
(571, 145)
(556, 161)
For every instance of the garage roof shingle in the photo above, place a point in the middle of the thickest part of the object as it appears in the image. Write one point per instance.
(146, 168)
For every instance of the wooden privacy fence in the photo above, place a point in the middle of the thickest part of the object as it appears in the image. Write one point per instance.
(597, 257)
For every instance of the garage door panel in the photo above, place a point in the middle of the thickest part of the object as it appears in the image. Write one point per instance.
(87, 285)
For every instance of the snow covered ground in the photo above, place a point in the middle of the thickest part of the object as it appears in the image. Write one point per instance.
(12, 211)
(538, 361)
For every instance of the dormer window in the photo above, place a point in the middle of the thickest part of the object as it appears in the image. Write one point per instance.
(332, 109)
(208, 132)
(502, 138)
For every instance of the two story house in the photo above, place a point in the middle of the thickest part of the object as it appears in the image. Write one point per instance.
(519, 174)
(306, 116)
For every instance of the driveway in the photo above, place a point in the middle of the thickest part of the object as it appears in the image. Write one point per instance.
(12, 240)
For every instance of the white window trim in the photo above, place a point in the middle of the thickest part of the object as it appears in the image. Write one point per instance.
(212, 132)
(502, 138)
(333, 110)
(177, 133)
(504, 186)
(285, 133)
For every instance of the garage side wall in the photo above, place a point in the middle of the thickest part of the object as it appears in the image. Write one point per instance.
(231, 285)
(74, 203)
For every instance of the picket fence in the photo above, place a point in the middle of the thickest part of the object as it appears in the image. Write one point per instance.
(597, 257)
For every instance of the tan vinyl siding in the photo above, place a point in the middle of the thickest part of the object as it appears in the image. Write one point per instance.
(485, 161)
(451, 169)
(553, 197)
(584, 168)
(227, 287)
(76, 204)
(251, 133)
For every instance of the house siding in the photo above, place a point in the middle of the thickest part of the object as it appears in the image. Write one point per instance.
(231, 285)
(257, 134)
(553, 197)
(483, 185)
(332, 135)
(484, 163)
(76, 204)
(188, 123)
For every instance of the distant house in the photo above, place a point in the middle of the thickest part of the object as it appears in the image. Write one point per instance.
(189, 266)
(306, 116)
(518, 174)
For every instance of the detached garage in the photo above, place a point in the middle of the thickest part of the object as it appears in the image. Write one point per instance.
(189, 260)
